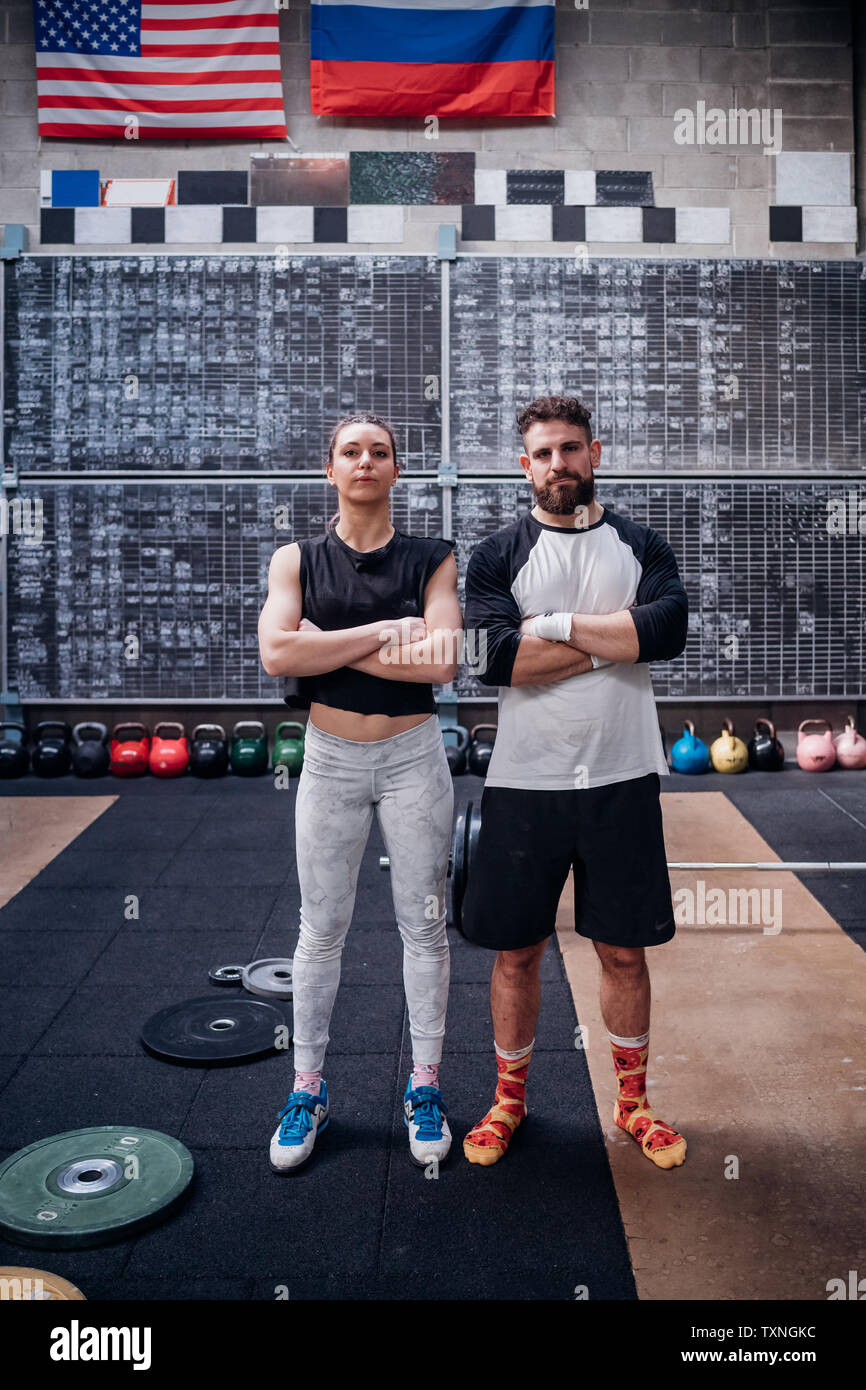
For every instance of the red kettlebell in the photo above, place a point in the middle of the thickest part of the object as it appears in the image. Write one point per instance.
(850, 746)
(130, 745)
(815, 752)
(169, 750)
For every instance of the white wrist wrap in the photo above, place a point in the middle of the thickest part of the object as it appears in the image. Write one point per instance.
(554, 627)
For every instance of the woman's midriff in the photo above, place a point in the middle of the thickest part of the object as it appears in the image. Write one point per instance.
(362, 728)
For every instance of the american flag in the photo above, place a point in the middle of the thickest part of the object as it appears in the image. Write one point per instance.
(182, 71)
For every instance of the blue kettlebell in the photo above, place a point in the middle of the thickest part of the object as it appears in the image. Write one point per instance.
(690, 754)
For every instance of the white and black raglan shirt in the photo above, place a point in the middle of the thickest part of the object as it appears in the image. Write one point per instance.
(599, 727)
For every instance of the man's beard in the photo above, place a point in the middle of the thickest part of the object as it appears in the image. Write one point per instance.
(564, 498)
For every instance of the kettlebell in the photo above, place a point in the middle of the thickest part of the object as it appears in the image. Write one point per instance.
(209, 752)
(766, 753)
(456, 752)
(249, 748)
(728, 753)
(51, 752)
(850, 746)
(289, 748)
(129, 749)
(90, 755)
(169, 750)
(481, 750)
(14, 756)
(815, 752)
(690, 754)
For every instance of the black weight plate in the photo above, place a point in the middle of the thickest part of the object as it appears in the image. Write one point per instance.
(202, 1032)
(90, 1186)
(226, 974)
(457, 868)
(458, 877)
(472, 834)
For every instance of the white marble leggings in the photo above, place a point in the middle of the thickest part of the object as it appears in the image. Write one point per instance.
(407, 781)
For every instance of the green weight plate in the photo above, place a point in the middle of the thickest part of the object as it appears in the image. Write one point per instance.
(91, 1186)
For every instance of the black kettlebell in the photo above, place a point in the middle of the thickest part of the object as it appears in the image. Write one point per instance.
(209, 751)
(766, 753)
(51, 754)
(14, 757)
(481, 749)
(456, 752)
(90, 755)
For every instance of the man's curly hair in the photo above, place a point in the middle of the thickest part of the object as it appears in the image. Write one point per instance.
(567, 408)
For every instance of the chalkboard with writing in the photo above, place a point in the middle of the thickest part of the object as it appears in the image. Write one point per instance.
(775, 572)
(147, 364)
(152, 591)
(709, 365)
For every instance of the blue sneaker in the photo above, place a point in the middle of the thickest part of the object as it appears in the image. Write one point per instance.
(424, 1114)
(301, 1118)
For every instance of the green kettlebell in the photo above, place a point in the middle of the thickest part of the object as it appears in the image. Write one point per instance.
(249, 750)
(289, 748)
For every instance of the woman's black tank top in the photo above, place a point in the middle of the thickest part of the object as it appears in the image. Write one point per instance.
(342, 587)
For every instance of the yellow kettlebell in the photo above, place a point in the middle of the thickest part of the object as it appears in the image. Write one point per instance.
(729, 753)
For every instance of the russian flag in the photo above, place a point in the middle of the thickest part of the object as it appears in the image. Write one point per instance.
(438, 57)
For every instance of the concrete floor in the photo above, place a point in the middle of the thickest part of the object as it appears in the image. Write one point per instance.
(757, 1056)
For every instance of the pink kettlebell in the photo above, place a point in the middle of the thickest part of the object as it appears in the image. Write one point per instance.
(850, 746)
(815, 752)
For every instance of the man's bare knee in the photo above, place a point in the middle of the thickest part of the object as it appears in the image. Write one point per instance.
(621, 960)
(520, 964)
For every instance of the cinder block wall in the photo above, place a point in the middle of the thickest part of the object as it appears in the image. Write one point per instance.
(623, 68)
(859, 94)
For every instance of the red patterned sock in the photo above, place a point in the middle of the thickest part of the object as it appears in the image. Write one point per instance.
(489, 1139)
(632, 1112)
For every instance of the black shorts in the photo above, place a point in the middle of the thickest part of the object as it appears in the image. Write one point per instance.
(611, 836)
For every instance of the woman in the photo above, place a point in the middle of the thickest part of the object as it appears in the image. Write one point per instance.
(360, 619)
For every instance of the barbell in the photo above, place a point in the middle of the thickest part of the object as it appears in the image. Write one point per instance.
(468, 826)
